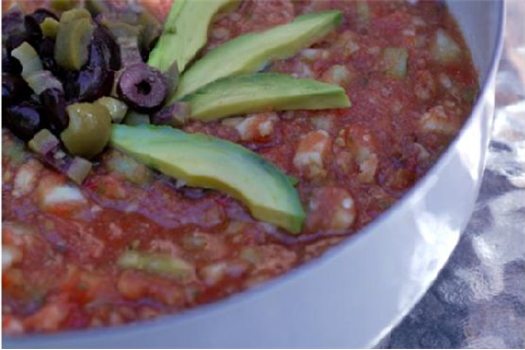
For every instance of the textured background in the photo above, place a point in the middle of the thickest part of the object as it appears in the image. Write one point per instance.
(478, 300)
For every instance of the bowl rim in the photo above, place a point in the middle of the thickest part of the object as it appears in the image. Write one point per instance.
(173, 320)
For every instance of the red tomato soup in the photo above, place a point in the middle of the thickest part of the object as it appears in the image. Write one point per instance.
(61, 242)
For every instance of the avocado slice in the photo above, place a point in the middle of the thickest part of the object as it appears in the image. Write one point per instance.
(205, 161)
(263, 92)
(249, 53)
(186, 31)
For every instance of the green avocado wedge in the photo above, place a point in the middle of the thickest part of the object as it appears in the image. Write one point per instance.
(186, 31)
(261, 93)
(250, 53)
(205, 161)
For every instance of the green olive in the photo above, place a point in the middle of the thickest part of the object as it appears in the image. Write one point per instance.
(88, 131)
(63, 5)
(96, 6)
(73, 38)
(72, 15)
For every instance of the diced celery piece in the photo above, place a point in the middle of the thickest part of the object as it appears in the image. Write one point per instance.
(135, 118)
(116, 108)
(128, 167)
(164, 265)
(28, 58)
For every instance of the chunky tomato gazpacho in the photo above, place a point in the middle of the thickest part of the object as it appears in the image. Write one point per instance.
(153, 161)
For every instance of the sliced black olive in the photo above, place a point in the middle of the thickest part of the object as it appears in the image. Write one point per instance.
(69, 80)
(10, 64)
(41, 14)
(54, 103)
(46, 51)
(25, 119)
(14, 90)
(142, 87)
(14, 41)
(46, 48)
(104, 49)
(32, 28)
(176, 115)
(32, 24)
(90, 84)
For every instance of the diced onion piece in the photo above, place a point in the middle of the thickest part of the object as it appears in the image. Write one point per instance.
(10, 255)
(331, 208)
(445, 49)
(309, 157)
(62, 194)
(256, 127)
(213, 273)
(26, 178)
(395, 61)
(338, 75)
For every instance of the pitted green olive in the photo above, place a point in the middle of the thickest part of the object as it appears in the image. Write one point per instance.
(63, 5)
(88, 131)
(74, 14)
(72, 41)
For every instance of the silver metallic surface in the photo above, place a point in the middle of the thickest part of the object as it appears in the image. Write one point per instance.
(358, 291)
